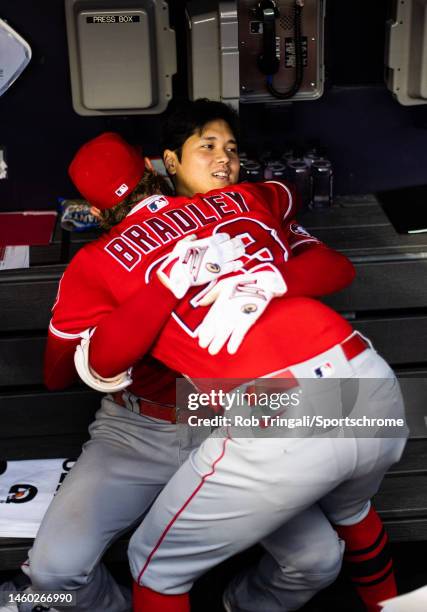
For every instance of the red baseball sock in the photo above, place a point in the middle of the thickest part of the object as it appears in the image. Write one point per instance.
(368, 560)
(146, 600)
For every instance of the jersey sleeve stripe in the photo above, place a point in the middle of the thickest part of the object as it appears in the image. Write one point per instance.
(288, 191)
(181, 323)
(63, 335)
(138, 206)
(295, 244)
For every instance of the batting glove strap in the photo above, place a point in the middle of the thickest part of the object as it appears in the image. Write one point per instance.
(195, 262)
(91, 378)
(239, 302)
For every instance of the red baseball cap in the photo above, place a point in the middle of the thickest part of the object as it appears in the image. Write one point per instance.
(106, 170)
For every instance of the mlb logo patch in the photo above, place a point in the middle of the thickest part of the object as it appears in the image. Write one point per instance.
(324, 370)
(155, 203)
(121, 190)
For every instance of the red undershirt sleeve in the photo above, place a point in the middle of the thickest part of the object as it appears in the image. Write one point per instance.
(58, 370)
(123, 333)
(123, 336)
(316, 270)
(72, 313)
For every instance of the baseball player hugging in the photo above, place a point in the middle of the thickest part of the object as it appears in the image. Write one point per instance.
(219, 280)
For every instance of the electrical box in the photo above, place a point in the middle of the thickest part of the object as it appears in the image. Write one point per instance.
(15, 54)
(203, 50)
(406, 52)
(213, 54)
(252, 45)
(122, 56)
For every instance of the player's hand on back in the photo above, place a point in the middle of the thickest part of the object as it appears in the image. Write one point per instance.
(238, 302)
(195, 262)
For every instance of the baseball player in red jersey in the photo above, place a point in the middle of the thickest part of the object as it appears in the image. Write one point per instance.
(269, 265)
(135, 446)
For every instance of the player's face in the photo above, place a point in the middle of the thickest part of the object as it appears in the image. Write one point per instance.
(209, 160)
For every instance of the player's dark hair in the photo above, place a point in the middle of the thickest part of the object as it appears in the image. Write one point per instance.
(150, 184)
(189, 118)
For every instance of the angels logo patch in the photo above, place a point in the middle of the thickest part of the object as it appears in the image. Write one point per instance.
(299, 230)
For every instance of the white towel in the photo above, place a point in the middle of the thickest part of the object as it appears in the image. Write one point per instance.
(415, 601)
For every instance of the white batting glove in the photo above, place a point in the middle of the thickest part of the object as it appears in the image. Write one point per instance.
(239, 302)
(196, 262)
(91, 378)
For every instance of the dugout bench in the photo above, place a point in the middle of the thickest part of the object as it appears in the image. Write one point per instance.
(387, 302)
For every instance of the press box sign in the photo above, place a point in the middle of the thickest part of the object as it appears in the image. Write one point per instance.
(113, 19)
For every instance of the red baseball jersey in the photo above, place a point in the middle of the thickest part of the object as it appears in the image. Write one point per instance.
(109, 271)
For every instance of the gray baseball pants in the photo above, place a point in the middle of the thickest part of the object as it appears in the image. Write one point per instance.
(122, 469)
(234, 491)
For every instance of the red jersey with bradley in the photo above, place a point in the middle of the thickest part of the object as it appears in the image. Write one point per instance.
(112, 269)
